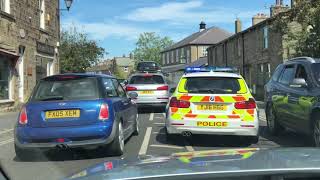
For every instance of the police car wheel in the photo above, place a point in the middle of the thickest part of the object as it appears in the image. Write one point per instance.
(273, 125)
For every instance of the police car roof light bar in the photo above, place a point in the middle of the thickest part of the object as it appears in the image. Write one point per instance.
(211, 69)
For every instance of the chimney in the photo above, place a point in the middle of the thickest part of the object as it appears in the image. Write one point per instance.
(238, 26)
(202, 26)
(278, 8)
(258, 18)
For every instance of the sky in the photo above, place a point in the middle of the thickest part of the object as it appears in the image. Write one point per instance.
(116, 24)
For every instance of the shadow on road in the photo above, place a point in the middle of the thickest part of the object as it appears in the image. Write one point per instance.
(67, 155)
(284, 139)
(148, 110)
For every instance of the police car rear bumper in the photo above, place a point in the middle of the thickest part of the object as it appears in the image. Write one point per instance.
(252, 131)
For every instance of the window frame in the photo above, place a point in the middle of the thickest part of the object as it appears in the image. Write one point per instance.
(42, 11)
(104, 88)
(265, 37)
(117, 90)
(282, 72)
(5, 6)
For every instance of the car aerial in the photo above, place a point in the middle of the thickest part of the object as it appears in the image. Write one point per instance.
(148, 66)
(292, 98)
(76, 111)
(152, 89)
(214, 101)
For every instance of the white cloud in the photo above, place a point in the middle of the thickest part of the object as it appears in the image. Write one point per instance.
(188, 12)
(102, 31)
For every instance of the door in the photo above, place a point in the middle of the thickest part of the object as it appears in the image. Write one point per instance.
(280, 97)
(300, 101)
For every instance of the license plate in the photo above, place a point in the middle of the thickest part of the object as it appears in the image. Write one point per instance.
(147, 92)
(62, 114)
(211, 124)
(212, 107)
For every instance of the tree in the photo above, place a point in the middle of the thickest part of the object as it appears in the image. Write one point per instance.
(78, 52)
(149, 46)
(306, 38)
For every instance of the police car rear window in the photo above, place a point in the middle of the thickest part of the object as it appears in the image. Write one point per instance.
(147, 79)
(214, 85)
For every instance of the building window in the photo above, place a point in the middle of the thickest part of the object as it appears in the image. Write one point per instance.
(177, 56)
(239, 46)
(172, 56)
(167, 59)
(204, 51)
(188, 55)
(126, 69)
(4, 79)
(163, 58)
(182, 56)
(5, 6)
(42, 13)
(265, 38)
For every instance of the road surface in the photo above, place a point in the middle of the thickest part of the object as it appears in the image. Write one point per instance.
(151, 141)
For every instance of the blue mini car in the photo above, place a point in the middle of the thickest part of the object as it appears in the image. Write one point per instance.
(76, 111)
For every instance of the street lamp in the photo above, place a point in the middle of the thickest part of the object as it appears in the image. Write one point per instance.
(68, 4)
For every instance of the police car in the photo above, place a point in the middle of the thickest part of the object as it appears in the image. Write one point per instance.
(212, 100)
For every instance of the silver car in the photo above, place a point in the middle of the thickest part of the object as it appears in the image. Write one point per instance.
(152, 89)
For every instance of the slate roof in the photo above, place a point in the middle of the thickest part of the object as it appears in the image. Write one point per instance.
(209, 36)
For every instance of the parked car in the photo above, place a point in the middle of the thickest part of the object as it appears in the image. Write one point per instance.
(76, 110)
(152, 89)
(148, 66)
(292, 98)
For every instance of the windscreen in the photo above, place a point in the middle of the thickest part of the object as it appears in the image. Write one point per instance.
(214, 85)
(152, 79)
(67, 89)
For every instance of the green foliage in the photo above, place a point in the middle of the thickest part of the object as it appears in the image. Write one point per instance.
(306, 38)
(78, 52)
(149, 46)
(118, 73)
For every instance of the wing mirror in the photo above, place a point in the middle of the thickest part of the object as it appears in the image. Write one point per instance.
(299, 83)
(172, 90)
(125, 82)
(133, 95)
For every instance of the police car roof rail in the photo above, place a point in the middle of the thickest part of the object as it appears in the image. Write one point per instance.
(211, 69)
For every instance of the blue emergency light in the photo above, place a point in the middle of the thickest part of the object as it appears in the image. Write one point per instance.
(211, 69)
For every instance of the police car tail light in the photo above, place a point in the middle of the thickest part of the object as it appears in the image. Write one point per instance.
(131, 88)
(165, 88)
(23, 118)
(104, 112)
(250, 104)
(174, 102)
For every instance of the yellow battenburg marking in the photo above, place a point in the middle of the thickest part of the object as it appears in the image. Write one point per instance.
(182, 85)
(243, 88)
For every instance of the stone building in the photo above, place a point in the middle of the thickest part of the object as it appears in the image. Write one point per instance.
(256, 51)
(29, 40)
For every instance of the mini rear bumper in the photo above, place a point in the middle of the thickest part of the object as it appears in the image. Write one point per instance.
(89, 137)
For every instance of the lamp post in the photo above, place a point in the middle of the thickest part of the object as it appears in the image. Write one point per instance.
(68, 5)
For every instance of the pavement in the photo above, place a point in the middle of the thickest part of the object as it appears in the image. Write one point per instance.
(150, 141)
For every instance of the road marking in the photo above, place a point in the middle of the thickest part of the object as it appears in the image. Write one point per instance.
(151, 116)
(158, 133)
(6, 141)
(159, 123)
(188, 146)
(166, 146)
(5, 131)
(145, 143)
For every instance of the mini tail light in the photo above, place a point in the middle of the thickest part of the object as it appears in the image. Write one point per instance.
(23, 118)
(174, 102)
(250, 104)
(104, 112)
(130, 88)
(165, 88)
